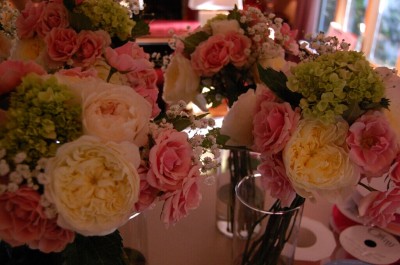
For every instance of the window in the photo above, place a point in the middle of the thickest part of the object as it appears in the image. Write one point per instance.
(374, 24)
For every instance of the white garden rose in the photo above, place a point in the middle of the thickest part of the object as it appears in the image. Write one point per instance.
(116, 113)
(224, 26)
(238, 123)
(181, 82)
(93, 184)
(317, 161)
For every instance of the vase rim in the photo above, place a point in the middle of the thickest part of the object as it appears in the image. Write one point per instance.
(239, 197)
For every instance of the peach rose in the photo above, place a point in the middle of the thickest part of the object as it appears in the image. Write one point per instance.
(116, 113)
(28, 19)
(22, 217)
(210, 56)
(61, 44)
(12, 72)
(273, 125)
(79, 72)
(54, 238)
(170, 160)
(91, 45)
(373, 144)
(239, 51)
(134, 50)
(54, 15)
(178, 203)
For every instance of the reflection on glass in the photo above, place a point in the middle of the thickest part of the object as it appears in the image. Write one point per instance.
(386, 44)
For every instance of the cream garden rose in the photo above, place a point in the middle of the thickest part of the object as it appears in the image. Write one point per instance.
(317, 161)
(181, 82)
(238, 123)
(93, 185)
(116, 113)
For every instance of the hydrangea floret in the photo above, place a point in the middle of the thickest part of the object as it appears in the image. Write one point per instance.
(336, 84)
(109, 16)
(45, 108)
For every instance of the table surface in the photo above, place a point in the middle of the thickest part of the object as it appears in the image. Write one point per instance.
(195, 240)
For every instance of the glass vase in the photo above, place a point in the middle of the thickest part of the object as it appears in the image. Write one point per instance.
(235, 165)
(264, 233)
(134, 239)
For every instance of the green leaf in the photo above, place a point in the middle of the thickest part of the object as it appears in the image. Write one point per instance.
(140, 29)
(234, 14)
(96, 250)
(276, 81)
(181, 124)
(353, 112)
(193, 40)
(79, 21)
(69, 4)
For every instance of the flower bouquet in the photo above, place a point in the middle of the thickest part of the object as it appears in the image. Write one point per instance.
(83, 145)
(323, 129)
(218, 62)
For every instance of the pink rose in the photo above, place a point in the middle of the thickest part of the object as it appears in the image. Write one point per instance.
(134, 50)
(27, 21)
(22, 218)
(239, 51)
(150, 93)
(78, 72)
(178, 203)
(379, 208)
(273, 126)
(91, 45)
(61, 44)
(274, 178)
(54, 15)
(373, 144)
(394, 171)
(170, 160)
(54, 238)
(124, 63)
(148, 194)
(210, 56)
(264, 94)
(12, 72)
(144, 83)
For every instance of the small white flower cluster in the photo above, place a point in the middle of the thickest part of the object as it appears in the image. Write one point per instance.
(321, 44)
(22, 175)
(8, 16)
(133, 6)
(265, 32)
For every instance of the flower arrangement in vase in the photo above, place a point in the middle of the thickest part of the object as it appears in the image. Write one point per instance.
(323, 123)
(83, 144)
(217, 63)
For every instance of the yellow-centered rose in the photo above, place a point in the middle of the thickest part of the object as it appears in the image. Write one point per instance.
(317, 162)
(93, 184)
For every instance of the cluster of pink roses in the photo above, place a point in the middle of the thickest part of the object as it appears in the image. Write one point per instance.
(219, 50)
(137, 159)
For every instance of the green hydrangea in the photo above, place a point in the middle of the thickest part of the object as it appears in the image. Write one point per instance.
(109, 16)
(41, 117)
(336, 83)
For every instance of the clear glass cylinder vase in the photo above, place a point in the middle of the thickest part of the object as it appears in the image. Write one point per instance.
(264, 233)
(134, 239)
(235, 165)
